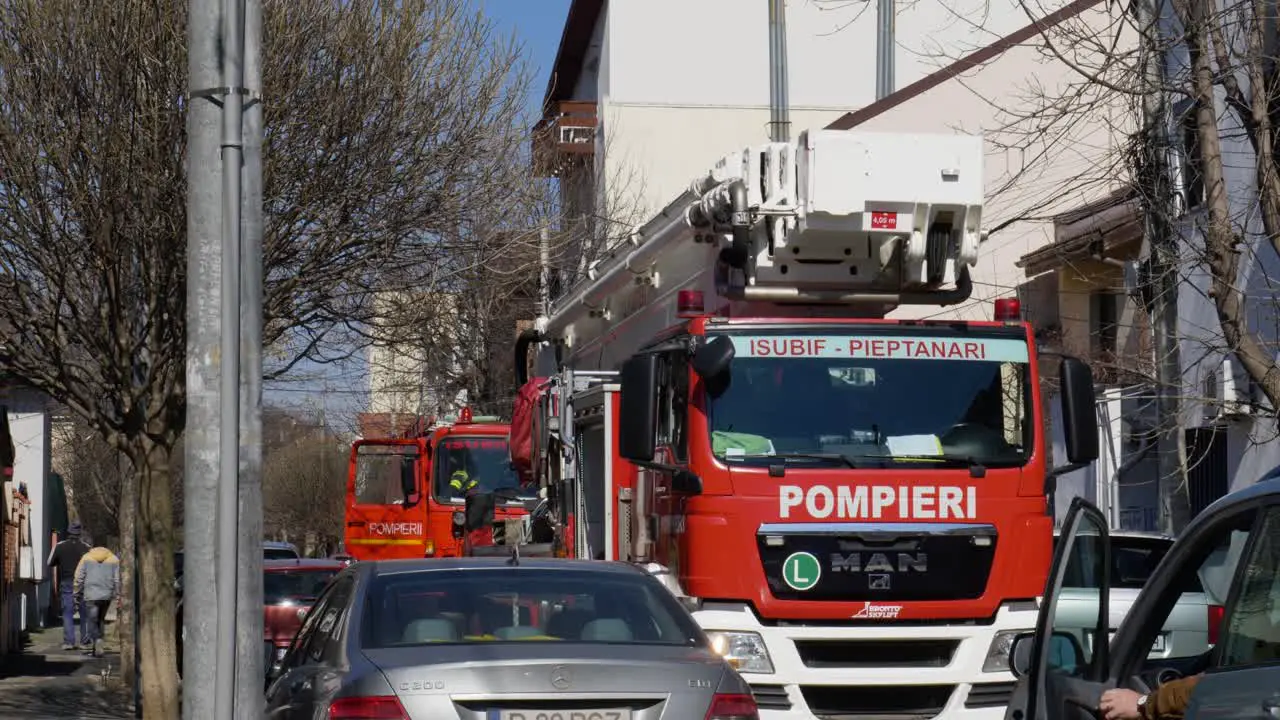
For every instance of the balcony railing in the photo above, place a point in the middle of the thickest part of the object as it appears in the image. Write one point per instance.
(566, 133)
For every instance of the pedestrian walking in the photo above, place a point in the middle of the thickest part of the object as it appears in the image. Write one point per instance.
(98, 583)
(64, 558)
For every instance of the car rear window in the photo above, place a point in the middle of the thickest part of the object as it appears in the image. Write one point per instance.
(295, 585)
(487, 605)
(279, 554)
(1134, 560)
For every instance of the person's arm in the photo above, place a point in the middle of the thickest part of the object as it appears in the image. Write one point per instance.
(1170, 700)
(52, 562)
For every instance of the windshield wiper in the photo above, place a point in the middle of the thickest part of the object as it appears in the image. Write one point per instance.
(976, 468)
(846, 460)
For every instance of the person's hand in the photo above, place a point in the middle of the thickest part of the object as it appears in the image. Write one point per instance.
(1120, 704)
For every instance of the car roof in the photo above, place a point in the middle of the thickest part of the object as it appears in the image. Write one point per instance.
(391, 567)
(302, 563)
(1134, 534)
(278, 545)
(1142, 534)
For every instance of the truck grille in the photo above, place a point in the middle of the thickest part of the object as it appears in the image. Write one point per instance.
(989, 695)
(884, 562)
(876, 653)
(771, 697)
(876, 703)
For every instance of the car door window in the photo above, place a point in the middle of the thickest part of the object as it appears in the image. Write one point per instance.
(297, 654)
(1079, 603)
(1183, 624)
(328, 621)
(1252, 632)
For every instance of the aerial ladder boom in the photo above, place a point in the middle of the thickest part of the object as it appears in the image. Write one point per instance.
(836, 222)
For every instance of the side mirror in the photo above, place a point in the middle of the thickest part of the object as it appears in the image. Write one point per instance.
(409, 481)
(1065, 653)
(1079, 413)
(478, 511)
(638, 408)
(684, 482)
(713, 357)
(1020, 654)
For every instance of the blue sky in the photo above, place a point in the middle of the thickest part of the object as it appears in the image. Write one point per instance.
(537, 24)
(341, 391)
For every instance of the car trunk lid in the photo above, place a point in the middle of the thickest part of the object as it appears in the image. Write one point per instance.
(562, 681)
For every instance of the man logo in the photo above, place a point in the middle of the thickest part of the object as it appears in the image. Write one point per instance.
(561, 679)
(879, 562)
(878, 582)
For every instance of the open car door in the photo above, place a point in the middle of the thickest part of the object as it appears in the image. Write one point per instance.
(1062, 668)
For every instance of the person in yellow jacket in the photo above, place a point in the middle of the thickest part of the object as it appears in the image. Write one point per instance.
(97, 583)
(461, 482)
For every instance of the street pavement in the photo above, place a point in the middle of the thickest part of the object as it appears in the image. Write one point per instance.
(46, 682)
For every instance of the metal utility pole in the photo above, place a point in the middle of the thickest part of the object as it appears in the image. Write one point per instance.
(779, 102)
(204, 276)
(885, 44)
(223, 495)
(249, 658)
(544, 271)
(1157, 187)
(228, 507)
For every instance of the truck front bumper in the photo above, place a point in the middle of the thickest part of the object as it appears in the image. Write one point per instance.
(952, 672)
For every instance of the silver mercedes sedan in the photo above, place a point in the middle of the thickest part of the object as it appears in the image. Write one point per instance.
(502, 639)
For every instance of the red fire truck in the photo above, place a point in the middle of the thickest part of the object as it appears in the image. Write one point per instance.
(857, 509)
(405, 495)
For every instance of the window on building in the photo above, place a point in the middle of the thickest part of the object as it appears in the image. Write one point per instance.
(1190, 166)
(1104, 315)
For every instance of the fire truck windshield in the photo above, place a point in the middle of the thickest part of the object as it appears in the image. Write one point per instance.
(472, 462)
(381, 472)
(874, 400)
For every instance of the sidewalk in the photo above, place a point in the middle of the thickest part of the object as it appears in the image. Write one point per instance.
(46, 682)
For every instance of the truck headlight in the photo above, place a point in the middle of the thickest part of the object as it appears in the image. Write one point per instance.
(998, 654)
(745, 651)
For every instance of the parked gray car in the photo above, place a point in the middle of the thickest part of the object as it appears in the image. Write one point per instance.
(1233, 548)
(497, 639)
(1134, 557)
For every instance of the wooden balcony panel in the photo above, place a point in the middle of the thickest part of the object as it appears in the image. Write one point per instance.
(565, 133)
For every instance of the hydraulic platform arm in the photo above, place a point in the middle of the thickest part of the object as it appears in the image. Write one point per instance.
(837, 217)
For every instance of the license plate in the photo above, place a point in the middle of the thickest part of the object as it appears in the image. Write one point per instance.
(612, 714)
(1156, 647)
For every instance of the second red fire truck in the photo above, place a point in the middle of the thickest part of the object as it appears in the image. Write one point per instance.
(857, 509)
(406, 495)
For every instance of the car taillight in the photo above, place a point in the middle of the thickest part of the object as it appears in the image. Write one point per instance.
(733, 707)
(385, 707)
(1216, 612)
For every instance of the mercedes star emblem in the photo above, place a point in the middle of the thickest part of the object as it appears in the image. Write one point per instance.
(561, 679)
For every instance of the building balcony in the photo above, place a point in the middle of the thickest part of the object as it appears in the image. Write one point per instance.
(565, 135)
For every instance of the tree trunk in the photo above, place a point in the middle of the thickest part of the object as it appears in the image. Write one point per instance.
(128, 562)
(157, 631)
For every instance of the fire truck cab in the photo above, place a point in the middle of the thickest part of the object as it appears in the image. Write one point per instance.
(857, 509)
(406, 495)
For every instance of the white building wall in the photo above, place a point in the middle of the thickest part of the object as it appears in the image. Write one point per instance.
(715, 53)
(399, 379)
(676, 95)
(30, 426)
(665, 124)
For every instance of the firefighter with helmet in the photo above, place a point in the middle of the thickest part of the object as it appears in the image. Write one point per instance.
(462, 483)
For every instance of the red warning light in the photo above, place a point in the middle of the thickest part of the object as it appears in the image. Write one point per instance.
(1008, 310)
(464, 416)
(689, 303)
